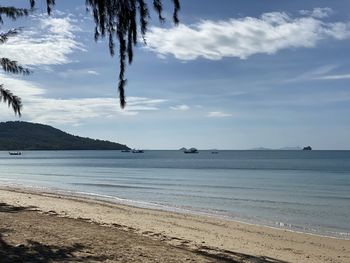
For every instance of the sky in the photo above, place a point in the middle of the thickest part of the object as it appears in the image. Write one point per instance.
(231, 75)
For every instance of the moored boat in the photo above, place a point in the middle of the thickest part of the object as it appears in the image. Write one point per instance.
(307, 148)
(192, 150)
(137, 151)
(15, 153)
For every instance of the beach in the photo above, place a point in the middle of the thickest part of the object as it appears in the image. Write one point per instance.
(226, 141)
(81, 228)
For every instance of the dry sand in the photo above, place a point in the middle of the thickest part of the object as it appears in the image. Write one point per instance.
(70, 229)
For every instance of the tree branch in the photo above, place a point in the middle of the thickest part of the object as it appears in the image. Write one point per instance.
(12, 100)
(117, 19)
(5, 36)
(12, 12)
(13, 67)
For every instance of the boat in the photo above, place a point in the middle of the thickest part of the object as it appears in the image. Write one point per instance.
(15, 153)
(214, 152)
(192, 150)
(126, 151)
(137, 151)
(307, 148)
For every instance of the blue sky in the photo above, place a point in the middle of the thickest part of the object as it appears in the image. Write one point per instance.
(234, 75)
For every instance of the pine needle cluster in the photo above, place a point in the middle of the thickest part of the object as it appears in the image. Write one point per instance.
(121, 20)
(118, 20)
(8, 65)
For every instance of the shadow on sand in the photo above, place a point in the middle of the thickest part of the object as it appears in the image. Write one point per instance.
(36, 252)
(5, 208)
(33, 251)
(233, 257)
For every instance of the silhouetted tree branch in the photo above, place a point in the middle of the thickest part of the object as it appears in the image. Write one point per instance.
(13, 67)
(5, 36)
(10, 66)
(12, 12)
(12, 100)
(118, 20)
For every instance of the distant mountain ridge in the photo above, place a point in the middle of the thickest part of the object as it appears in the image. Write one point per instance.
(19, 135)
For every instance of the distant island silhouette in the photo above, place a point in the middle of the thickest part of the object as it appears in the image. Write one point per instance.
(287, 148)
(19, 135)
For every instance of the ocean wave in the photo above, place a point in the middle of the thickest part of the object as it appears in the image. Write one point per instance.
(113, 185)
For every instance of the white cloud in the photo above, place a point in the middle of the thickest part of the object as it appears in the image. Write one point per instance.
(313, 74)
(20, 87)
(333, 77)
(244, 37)
(321, 73)
(93, 72)
(218, 114)
(318, 12)
(182, 107)
(77, 73)
(135, 102)
(39, 108)
(311, 99)
(49, 43)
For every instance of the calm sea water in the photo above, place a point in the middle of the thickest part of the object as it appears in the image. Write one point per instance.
(306, 191)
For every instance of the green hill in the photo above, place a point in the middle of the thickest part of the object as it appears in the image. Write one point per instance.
(20, 135)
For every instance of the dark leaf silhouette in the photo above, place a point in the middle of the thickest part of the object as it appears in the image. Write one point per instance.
(12, 12)
(12, 100)
(8, 65)
(13, 67)
(118, 20)
(5, 36)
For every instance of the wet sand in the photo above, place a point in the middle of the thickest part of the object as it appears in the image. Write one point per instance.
(53, 227)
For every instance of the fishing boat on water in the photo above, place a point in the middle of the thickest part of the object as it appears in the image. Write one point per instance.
(192, 150)
(307, 148)
(137, 151)
(15, 153)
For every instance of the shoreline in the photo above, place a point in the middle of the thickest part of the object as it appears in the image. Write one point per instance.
(178, 210)
(186, 229)
(160, 207)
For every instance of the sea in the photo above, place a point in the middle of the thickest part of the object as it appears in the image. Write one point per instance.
(304, 191)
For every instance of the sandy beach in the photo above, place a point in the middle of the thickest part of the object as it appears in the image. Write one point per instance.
(48, 227)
